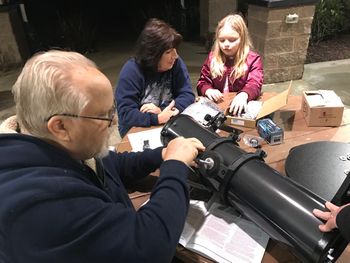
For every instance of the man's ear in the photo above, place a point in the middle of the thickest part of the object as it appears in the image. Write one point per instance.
(59, 128)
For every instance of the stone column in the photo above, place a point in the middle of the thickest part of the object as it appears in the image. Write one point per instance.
(13, 43)
(281, 35)
(211, 12)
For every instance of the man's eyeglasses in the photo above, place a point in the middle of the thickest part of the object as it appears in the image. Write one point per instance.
(110, 114)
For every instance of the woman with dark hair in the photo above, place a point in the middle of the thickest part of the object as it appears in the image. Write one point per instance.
(154, 85)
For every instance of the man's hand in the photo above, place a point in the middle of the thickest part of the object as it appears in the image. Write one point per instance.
(328, 216)
(239, 103)
(184, 150)
(151, 108)
(214, 94)
(167, 113)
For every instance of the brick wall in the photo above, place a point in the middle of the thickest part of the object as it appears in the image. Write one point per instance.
(282, 45)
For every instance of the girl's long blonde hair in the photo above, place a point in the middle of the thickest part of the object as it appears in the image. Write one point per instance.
(217, 64)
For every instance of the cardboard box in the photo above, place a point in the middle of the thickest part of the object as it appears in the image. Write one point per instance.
(322, 108)
(268, 106)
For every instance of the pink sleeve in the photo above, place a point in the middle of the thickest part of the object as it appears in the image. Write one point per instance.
(205, 81)
(255, 77)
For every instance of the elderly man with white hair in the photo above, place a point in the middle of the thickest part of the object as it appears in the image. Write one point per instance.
(62, 192)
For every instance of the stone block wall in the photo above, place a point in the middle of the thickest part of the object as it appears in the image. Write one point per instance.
(211, 12)
(283, 46)
(12, 40)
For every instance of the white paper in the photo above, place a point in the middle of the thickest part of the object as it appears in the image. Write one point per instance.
(330, 97)
(220, 234)
(201, 108)
(323, 98)
(253, 109)
(316, 100)
(137, 139)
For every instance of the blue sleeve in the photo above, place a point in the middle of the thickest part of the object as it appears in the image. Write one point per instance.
(131, 166)
(82, 227)
(182, 89)
(128, 95)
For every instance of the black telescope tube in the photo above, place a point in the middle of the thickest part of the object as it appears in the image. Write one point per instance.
(278, 205)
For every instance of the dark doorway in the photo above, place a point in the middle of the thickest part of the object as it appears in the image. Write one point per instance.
(81, 24)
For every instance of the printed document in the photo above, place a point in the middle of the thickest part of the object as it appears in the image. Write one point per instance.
(218, 232)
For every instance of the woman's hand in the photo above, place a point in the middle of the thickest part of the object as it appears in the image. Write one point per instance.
(239, 103)
(167, 113)
(151, 108)
(214, 94)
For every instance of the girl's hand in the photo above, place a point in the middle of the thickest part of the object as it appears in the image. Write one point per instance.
(214, 94)
(239, 103)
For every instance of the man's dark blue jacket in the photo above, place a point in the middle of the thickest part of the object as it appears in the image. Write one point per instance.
(54, 209)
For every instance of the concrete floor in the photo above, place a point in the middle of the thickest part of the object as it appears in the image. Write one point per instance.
(333, 75)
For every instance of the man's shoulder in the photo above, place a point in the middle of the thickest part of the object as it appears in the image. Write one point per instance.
(29, 184)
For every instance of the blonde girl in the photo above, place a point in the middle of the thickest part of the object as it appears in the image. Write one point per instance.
(232, 66)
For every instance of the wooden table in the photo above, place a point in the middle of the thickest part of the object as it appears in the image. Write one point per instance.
(291, 119)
